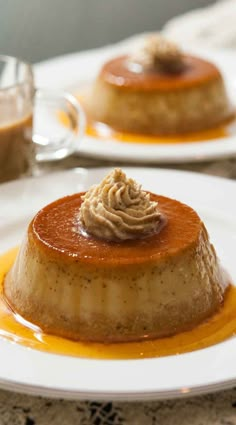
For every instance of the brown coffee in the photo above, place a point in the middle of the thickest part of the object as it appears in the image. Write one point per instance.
(16, 149)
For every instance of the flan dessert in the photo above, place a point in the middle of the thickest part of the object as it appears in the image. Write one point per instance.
(159, 90)
(116, 264)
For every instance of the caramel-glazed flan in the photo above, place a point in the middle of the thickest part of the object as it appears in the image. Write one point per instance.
(159, 91)
(74, 283)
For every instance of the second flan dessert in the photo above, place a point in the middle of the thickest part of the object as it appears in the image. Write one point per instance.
(116, 264)
(159, 90)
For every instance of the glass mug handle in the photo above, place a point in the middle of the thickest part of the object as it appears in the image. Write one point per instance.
(62, 108)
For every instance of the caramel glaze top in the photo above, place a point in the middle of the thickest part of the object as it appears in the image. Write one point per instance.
(56, 229)
(195, 72)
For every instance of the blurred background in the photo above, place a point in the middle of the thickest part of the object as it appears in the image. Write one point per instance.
(37, 30)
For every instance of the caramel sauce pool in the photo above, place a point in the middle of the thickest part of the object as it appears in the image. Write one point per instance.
(103, 131)
(15, 329)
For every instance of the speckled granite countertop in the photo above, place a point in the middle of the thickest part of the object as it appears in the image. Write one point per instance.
(213, 409)
(224, 168)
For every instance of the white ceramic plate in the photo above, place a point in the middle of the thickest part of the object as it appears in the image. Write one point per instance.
(35, 372)
(78, 70)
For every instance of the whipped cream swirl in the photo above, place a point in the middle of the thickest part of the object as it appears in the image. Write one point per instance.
(117, 209)
(159, 53)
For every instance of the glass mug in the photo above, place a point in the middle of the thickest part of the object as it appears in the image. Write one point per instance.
(22, 107)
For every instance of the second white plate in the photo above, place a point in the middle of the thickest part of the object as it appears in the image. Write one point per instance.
(76, 70)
